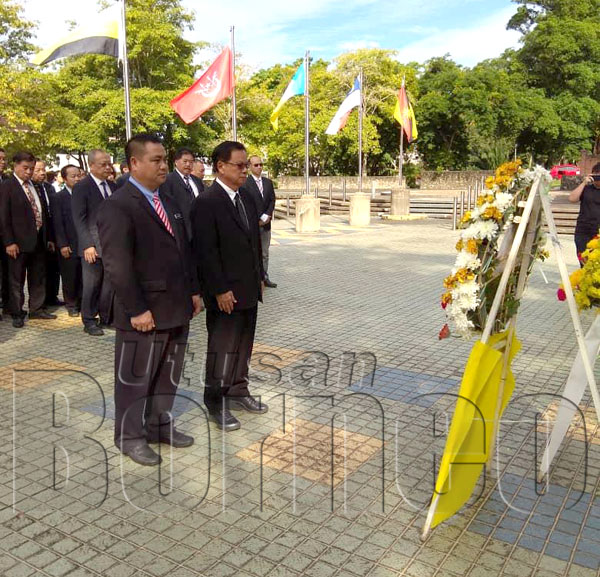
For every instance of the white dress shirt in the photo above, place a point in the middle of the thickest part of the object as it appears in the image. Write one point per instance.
(228, 190)
(191, 181)
(36, 198)
(99, 183)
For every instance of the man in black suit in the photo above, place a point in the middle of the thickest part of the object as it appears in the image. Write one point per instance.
(65, 236)
(182, 185)
(263, 192)
(25, 221)
(46, 192)
(226, 243)
(3, 256)
(124, 176)
(88, 195)
(148, 261)
(198, 171)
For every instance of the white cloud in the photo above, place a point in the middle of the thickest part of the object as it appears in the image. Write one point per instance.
(469, 45)
(358, 45)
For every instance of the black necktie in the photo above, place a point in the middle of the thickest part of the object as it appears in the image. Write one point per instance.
(241, 210)
(104, 190)
(186, 181)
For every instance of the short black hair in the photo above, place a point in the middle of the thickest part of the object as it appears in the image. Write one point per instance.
(122, 166)
(223, 152)
(23, 156)
(63, 170)
(182, 152)
(137, 143)
(596, 168)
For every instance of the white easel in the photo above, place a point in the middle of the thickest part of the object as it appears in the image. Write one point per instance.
(536, 200)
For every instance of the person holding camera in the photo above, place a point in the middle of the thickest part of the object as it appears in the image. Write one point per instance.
(588, 221)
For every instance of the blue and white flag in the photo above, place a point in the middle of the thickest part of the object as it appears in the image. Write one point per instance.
(351, 101)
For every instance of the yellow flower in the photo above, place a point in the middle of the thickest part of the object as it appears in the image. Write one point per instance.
(466, 218)
(492, 213)
(576, 277)
(459, 245)
(472, 246)
(489, 182)
(593, 244)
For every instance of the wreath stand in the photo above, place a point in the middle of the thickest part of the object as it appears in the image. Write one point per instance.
(521, 252)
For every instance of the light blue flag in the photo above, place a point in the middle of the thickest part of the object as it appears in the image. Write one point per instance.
(294, 88)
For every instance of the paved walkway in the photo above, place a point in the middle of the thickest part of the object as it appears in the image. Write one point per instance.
(356, 311)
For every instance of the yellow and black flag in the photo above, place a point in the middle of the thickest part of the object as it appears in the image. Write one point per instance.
(103, 36)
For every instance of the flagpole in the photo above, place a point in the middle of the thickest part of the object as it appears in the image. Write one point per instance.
(126, 72)
(306, 122)
(401, 159)
(360, 133)
(233, 100)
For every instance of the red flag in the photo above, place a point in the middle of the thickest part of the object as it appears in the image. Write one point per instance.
(214, 85)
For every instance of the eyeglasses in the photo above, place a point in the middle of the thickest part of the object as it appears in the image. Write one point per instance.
(240, 165)
(258, 164)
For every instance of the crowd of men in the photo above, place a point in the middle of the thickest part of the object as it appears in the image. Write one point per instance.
(142, 254)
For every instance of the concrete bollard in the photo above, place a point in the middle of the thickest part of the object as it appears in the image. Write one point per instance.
(400, 202)
(360, 209)
(308, 214)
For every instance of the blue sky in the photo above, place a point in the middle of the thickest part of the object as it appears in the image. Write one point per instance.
(271, 31)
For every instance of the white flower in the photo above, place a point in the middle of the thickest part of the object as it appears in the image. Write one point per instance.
(503, 200)
(531, 174)
(483, 229)
(466, 260)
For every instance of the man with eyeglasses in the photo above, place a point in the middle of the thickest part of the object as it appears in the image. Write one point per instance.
(262, 191)
(88, 195)
(183, 186)
(226, 242)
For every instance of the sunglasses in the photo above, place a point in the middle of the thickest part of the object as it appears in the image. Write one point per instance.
(258, 164)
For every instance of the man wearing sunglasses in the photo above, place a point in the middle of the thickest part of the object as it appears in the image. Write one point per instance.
(263, 193)
(588, 221)
(226, 242)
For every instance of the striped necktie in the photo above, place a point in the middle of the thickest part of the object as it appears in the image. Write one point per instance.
(160, 211)
(27, 187)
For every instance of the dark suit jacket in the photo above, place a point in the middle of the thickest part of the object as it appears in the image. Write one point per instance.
(122, 180)
(85, 201)
(229, 255)
(265, 203)
(65, 233)
(175, 187)
(49, 194)
(148, 268)
(18, 220)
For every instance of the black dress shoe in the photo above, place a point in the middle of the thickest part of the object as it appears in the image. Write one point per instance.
(93, 330)
(248, 403)
(42, 315)
(142, 454)
(269, 283)
(18, 322)
(73, 313)
(173, 438)
(225, 420)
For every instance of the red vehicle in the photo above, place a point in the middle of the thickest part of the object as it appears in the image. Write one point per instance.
(560, 170)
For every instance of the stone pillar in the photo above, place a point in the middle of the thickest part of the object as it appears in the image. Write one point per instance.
(400, 202)
(308, 214)
(360, 209)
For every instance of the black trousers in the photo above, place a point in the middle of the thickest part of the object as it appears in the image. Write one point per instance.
(70, 272)
(230, 342)
(52, 277)
(30, 265)
(581, 241)
(97, 295)
(4, 283)
(148, 368)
